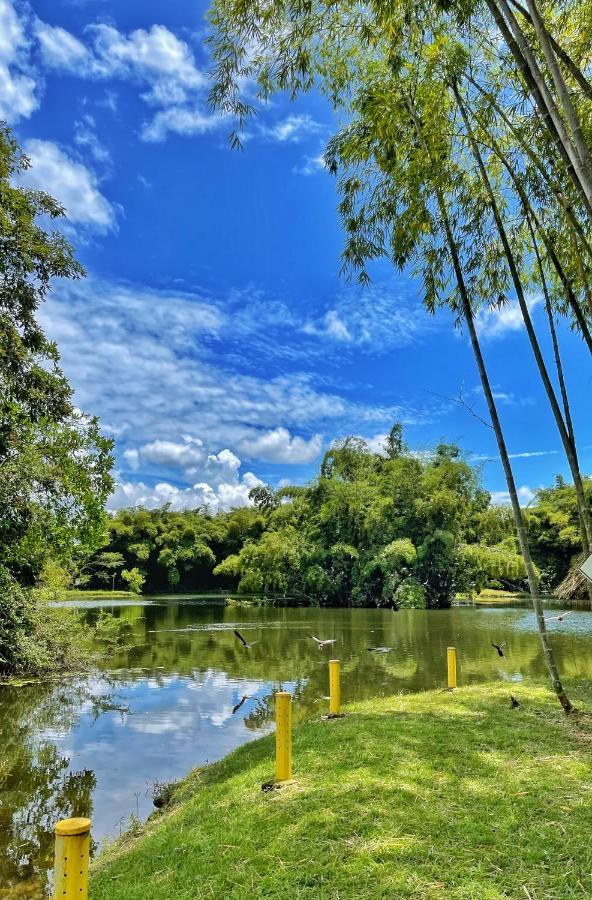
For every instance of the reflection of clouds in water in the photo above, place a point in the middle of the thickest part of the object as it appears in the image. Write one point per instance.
(578, 622)
(513, 677)
(175, 723)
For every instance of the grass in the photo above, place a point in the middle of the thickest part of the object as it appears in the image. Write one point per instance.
(75, 594)
(432, 795)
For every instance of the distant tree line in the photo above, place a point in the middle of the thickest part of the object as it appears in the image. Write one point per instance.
(372, 529)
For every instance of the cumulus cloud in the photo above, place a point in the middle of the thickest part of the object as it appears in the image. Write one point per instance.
(70, 182)
(18, 88)
(178, 120)
(223, 496)
(156, 59)
(148, 363)
(279, 446)
(188, 455)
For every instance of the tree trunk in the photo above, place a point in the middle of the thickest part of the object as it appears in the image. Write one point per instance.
(569, 450)
(540, 93)
(560, 372)
(573, 69)
(517, 511)
(567, 106)
(541, 168)
(571, 297)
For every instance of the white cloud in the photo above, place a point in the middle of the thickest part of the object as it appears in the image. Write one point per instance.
(154, 58)
(188, 455)
(151, 359)
(178, 120)
(60, 49)
(528, 454)
(279, 446)
(70, 182)
(224, 496)
(18, 97)
(377, 443)
(310, 165)
(502, 498)
(494, 323)
(85, 136)
(376, 318)
(292, 129)
(155, 55)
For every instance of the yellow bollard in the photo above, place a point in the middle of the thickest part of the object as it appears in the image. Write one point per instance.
(451, 654)
(334, 688)
(72, 847)
(283, 736)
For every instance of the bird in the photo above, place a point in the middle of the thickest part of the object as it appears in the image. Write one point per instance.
(239, 704)
(242, 640)
(380, 649)
(321, 644)
(559, 618)
(515, 703)
(500, 648)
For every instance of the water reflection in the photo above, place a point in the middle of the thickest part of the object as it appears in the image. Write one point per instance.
(188, 692)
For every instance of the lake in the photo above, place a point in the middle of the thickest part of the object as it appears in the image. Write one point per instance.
(96, 745)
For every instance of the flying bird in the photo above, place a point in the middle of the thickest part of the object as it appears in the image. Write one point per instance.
(559, 618)
(321, 644)
(239, 704)
(500, 648)
(515, 703)
(242, 640)
(380, 649)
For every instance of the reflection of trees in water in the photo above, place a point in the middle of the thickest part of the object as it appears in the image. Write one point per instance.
(282, 656)
(36, 787)
(264, 710)
(419, 639)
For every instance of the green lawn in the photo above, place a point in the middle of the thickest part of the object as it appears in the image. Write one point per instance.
(432, 795)
(76, 594)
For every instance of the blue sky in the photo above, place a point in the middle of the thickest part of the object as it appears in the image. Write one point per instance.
(213, 335)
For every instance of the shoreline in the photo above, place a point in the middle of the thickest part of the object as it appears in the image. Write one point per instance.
(435, 794)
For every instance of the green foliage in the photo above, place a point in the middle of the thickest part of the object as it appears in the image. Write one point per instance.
(134, 579)
(553, 525)
(54, 463)
(496, 567)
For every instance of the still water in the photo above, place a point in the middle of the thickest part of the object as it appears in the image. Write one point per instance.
(171, 700)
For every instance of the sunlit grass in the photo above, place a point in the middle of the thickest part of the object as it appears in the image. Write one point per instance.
(432, 795)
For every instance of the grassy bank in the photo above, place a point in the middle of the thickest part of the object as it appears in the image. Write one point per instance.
(432, 795)
(75, 594)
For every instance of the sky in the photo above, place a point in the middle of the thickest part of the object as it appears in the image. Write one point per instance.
(214, 335)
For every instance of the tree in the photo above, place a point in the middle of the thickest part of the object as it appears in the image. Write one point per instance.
(134, 578)
(54, 463)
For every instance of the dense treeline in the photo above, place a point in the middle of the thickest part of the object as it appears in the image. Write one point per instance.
(372, 529)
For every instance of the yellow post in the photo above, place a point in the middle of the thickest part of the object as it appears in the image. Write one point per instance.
(283, 736)
(451, 668)
(334, 688)
(72, 846)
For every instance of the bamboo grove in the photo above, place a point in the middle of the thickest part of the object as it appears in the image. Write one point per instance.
(465, 156)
